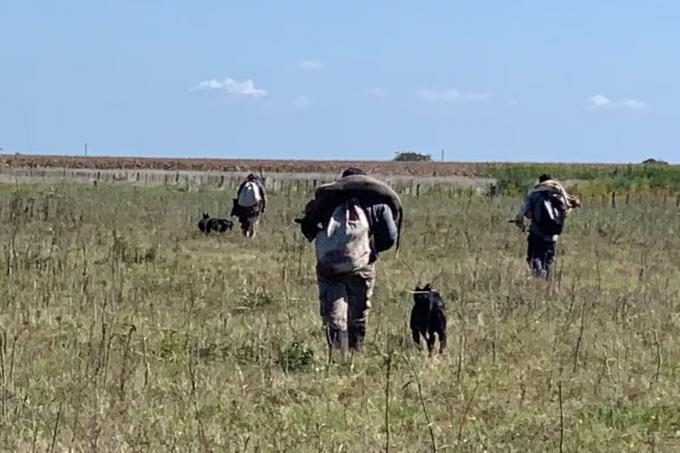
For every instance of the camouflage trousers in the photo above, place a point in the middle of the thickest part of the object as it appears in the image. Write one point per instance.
(345, 301)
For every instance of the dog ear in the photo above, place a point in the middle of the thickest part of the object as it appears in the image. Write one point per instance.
(418, 288)
(427, 287)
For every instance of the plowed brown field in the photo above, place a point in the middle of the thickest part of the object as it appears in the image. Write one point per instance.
(282, 166)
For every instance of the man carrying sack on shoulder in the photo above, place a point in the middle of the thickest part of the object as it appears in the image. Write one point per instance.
(547, 205)
(350, 221)
(249, 204)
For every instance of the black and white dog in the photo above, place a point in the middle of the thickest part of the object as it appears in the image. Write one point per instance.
(428, 317)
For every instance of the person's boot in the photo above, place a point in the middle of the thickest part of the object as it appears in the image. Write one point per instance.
(343, 341)
(337, 339)
(356, 338)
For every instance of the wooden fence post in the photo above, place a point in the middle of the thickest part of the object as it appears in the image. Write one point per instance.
(613, 199)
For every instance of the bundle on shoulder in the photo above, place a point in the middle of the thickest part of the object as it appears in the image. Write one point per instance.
(368, 190)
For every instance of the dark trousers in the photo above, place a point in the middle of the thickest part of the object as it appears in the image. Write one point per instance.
(540, 255)
(247, 217)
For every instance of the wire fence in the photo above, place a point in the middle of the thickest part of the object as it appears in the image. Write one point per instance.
(305, 183)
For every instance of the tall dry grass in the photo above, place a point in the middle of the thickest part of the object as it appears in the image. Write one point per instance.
(123, 328)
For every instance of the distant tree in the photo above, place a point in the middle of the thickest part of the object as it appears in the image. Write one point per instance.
(653, 161)
(410, 156)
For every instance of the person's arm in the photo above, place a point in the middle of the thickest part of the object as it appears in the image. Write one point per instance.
(384, 228)
(573, 202)
(523, 212)
(264, 196)
(309, 224)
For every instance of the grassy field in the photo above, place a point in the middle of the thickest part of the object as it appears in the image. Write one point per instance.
(123, 328)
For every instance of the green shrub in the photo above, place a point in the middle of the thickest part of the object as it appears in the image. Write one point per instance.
(410, 156)
(517, 178)
(296, 356)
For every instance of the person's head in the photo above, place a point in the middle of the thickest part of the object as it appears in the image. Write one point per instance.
(544, 177)
(351, 171)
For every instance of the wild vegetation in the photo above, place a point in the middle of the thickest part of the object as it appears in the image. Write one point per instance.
(124, 328)
(639, 178)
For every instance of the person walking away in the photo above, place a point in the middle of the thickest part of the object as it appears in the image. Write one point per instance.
(250, 203)
(350, 221)
(547, 205)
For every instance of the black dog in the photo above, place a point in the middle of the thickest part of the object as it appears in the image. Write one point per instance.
(428, 317)
(207, 224)
(220, 225)
(204, 223)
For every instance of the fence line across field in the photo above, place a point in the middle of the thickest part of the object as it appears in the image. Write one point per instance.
(289, 183)
(275, 182)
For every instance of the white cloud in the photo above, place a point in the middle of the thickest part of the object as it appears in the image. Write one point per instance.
(230, 86)
(312, 65)
(599, 102)
(377, 93)
(301, 102)
(452, 95)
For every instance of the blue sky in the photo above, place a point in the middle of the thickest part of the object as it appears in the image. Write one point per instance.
(484, 80)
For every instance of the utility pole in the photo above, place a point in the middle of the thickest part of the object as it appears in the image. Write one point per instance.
(85, 148)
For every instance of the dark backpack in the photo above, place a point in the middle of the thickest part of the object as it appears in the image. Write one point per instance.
(550, 213)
